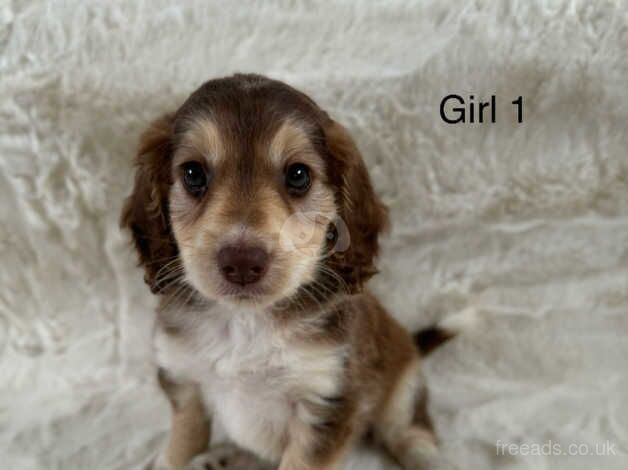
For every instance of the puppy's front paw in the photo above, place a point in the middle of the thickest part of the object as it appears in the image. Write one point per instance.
(160, 462)
(227, 457)
(417, 449)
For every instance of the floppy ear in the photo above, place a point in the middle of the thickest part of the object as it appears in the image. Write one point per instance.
(145, 211)
(359, 207)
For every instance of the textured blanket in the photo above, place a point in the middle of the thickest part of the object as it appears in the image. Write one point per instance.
(522, 227)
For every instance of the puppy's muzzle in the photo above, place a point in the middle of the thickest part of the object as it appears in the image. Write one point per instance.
(242, 264)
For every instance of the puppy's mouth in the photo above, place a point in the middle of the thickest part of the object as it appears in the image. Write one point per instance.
(241, 276)
(246, 293)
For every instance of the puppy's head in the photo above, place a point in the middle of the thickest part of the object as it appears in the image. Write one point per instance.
(250, 193)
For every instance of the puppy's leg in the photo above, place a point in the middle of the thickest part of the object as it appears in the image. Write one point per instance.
(320, 433)
(411, 444)
(190, 431)
(228, 456)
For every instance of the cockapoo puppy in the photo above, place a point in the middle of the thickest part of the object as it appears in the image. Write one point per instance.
(257, 225)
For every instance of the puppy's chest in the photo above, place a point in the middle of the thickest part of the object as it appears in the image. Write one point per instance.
(252, 374)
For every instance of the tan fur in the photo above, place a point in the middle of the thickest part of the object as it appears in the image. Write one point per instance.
(202, 141)
(291, 143)
(190, 429)
(305, 362)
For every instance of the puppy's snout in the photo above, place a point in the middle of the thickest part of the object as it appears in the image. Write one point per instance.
(242, 264)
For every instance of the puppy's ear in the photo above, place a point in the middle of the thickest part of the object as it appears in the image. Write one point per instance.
(145, 212)
(359, 207)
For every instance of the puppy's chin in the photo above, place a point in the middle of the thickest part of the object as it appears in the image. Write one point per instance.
(249, 297)
(245, 297)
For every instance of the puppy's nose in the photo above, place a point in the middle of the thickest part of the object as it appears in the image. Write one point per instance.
(242, 264)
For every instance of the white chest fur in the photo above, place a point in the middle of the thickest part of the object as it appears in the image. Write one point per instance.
(252, 371)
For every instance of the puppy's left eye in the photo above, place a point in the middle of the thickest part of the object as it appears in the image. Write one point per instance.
(298, 179)
(194, 178)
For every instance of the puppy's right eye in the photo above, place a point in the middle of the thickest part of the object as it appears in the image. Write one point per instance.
(194, 178)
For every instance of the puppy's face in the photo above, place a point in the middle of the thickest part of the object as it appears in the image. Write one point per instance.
(244, 186)
(250, 203)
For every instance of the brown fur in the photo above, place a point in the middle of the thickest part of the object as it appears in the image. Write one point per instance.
(242, 128)
(365, 216)
(146, 210)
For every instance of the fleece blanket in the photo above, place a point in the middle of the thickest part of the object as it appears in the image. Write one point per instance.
(519, 229)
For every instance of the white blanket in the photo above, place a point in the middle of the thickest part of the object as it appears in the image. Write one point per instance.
(522, 226)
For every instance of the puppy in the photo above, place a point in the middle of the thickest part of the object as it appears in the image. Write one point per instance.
(256, 223)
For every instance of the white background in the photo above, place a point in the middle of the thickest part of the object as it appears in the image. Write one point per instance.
(524, 224)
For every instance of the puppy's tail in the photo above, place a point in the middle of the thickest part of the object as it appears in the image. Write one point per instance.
(430, 338)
